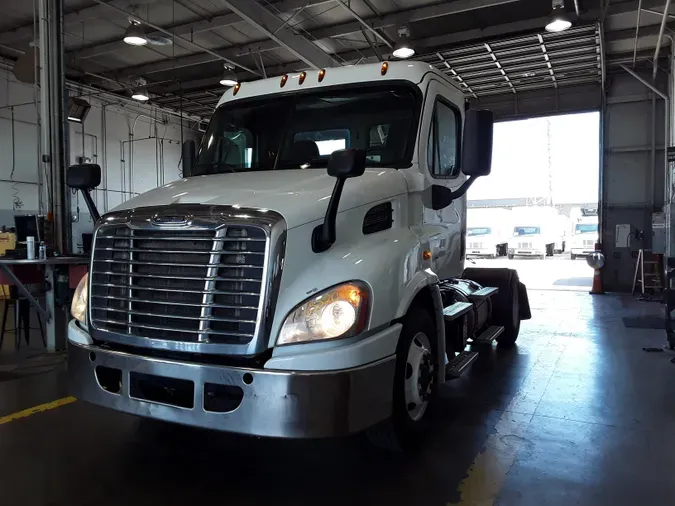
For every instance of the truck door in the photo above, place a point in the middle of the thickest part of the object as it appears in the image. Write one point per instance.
(440, 163)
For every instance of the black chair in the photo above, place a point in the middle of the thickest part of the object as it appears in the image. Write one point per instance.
(21, 307)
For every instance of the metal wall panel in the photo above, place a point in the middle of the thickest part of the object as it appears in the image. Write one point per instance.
(632, 185)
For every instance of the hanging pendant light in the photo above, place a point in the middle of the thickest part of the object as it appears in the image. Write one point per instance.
(559, 20)
(229, 77)
(140, 92)
(135, 34)
(403, 49)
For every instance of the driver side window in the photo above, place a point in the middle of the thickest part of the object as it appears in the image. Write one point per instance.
(444, 141)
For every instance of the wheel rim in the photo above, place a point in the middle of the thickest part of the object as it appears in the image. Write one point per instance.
(419, 376)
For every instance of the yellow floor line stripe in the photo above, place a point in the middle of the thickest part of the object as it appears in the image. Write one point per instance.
(489, 471)
(487, 474)
(37, 409)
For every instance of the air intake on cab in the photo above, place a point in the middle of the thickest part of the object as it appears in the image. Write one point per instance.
(378, 218)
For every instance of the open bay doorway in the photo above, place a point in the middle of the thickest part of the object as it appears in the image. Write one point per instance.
(537, 212)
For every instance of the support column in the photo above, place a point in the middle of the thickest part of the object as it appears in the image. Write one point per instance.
(53, 128)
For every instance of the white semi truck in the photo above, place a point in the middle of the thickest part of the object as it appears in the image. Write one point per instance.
(488, 232)
(538, 231)
(584, 236)
(281, 290)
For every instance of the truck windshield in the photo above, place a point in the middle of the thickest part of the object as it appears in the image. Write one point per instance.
(585, 228)
(477, 231)
(301, 130)
(526, 231)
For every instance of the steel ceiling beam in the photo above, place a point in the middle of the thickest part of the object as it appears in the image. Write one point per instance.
(423, 46)
(183, 40)
(218, 20)
(408, 16)
(364, 24)
(273, 27)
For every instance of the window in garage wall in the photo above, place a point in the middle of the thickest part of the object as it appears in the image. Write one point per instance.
(543, 162)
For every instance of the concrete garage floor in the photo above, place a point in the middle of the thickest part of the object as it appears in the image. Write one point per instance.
(576, 414)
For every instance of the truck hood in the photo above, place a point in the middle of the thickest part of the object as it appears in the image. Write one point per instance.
(300, 196)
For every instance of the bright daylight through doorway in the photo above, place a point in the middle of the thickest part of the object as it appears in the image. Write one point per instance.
(537, 212)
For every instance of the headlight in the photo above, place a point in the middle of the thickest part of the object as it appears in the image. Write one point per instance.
(340, 311)
(78, 308)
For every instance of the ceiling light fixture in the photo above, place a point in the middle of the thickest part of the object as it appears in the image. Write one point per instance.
(403, 49)
(559, 21)
(140, 93)
(229, 77)
(135, 34)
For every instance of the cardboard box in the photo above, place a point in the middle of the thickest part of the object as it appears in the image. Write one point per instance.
(7, 241)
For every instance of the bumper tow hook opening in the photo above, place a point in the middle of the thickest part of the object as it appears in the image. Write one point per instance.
(222, 398)
(110, 379)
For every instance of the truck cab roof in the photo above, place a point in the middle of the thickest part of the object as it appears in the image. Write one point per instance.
(411, 71)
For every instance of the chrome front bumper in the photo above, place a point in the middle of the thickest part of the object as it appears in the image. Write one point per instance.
(272, 403)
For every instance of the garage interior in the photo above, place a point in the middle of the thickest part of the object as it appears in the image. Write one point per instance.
(576, 413)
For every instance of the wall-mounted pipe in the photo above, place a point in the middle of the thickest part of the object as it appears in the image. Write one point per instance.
(637, 32)
(662, 29)
(19, 182)
(666, 180)
(131, 148)
(123, 185)
(104, 157)
(576, 8)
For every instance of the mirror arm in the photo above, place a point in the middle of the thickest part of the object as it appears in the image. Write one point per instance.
(323, 236)
(463, 189)
(90, 205)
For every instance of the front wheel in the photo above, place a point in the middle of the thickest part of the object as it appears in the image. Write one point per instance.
(414, 383)
(511, 257)
(573, 256)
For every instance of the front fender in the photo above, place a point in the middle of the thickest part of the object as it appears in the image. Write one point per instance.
(388, 261)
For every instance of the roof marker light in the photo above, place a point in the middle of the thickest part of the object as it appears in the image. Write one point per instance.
(236, 89)
(303, 76)
(322, 74)
(384, 68)
(284, 78)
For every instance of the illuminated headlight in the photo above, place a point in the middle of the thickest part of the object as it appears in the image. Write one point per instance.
(341, 311)
(78, 307)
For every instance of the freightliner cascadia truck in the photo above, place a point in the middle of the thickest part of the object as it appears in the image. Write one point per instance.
(305, 277)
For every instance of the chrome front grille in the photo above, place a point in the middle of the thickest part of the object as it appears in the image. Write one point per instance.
(525, 245)
(182, 285)
(475, 245)
(589, 243)
(185, 277)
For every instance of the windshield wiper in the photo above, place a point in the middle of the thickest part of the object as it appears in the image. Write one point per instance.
(217, 165)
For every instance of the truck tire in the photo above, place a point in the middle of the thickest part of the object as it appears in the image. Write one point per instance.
(415, 384)
(511, 257)
(573, 256)
(506, 304)
(510, 317)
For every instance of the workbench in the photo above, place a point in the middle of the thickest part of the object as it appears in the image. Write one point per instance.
(48, 312)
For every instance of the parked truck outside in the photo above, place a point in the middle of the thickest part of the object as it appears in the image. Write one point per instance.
(538, 231)
(584, 236)
(488, 232)
(280, 290)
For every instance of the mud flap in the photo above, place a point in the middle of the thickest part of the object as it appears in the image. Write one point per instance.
(524, 302)
(501, 278)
